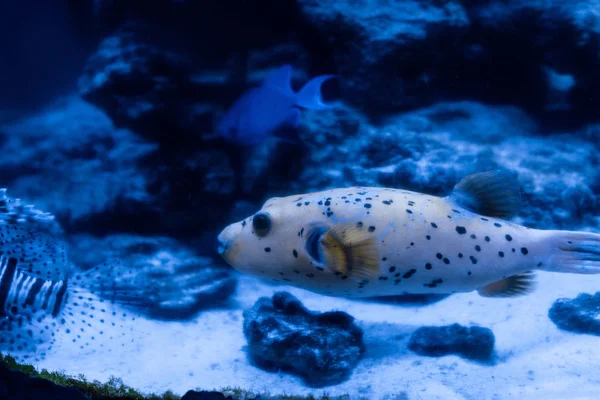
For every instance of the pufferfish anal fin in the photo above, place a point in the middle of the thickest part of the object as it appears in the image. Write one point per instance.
(351, 250)
(492, 193)
(513, 286)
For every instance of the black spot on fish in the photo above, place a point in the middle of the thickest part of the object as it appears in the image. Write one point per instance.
(469, 273)
(539, 264)
(446, 260)
(371, 229)
(484, 219)
(501, 253)
(244, 223)
(359, 224)
(412, 243)
(428, 237)
(473, 259)
(397, 274)
(410, 273)
(384, 259)
(383, 278)
(433, 224)
(439, 256)
(433, 283)
(460, 255)
(524, 250)
(513, 250)
(368, 198)
(357, 200)
(367, 205)
(508, 237)
(327, 203)
(409, 211)
(461, 230)
(477, 248)
(392, 269)
(310, 275)
(320, 202)
(411, 203)
(268, 249)
(295, 253)
(497, 225)
(387, 202)
(428, 266)
(361, 193)
(397, 281)
(306, 203)
(299, 204)
(329, 213)
(321, 269)
(487, 238)
(301, 233)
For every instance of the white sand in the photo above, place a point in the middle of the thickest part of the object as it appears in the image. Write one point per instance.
(535, 359)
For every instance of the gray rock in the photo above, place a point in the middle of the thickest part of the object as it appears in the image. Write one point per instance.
(323, 348)
(71, 161)
(474, 342)
(379, 48)
(169, 280)
(579, 315)
(431, 149)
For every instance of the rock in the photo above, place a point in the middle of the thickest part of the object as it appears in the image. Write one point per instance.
(431, 149)
(579, 315)
(475, 343)
(171, 281)
(540, 56)
(323, 348)
(16, 385)
(387, 52)
(70, 160)
(204, 395)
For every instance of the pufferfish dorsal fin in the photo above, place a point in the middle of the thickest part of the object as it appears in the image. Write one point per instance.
(351, 250)
(513, 286)
(492, 193)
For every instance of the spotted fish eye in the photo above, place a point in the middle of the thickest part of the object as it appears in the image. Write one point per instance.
(261, 222)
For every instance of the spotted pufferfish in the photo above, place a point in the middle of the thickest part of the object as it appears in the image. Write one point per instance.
(369, 241)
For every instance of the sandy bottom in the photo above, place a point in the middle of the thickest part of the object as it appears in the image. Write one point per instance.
(535, 360)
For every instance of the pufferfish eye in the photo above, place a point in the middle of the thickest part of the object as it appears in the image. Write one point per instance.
(261, 222)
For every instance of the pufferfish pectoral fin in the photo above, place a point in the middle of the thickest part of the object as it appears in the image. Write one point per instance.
(513, 286)
(351, 250)
(492, 193)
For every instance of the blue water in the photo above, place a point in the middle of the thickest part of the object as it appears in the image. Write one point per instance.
(108, 122)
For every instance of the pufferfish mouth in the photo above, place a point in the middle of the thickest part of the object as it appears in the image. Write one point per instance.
(313, 245)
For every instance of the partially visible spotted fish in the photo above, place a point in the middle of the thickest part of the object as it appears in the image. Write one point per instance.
(43, 299)
(369, 241)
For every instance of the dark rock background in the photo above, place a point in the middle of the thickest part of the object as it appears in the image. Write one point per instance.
(115, 134)
(108, 109)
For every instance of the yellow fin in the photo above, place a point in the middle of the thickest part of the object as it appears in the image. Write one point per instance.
(351, 250)
(513, 286)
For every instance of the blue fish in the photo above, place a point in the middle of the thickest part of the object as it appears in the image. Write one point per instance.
(271, 109)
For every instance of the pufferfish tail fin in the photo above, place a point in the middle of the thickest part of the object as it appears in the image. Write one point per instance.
(573, 252)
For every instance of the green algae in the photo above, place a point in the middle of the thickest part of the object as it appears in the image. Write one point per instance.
(115, 389)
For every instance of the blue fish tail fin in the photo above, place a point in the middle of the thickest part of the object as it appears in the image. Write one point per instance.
(574, 252)
(310, 95)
